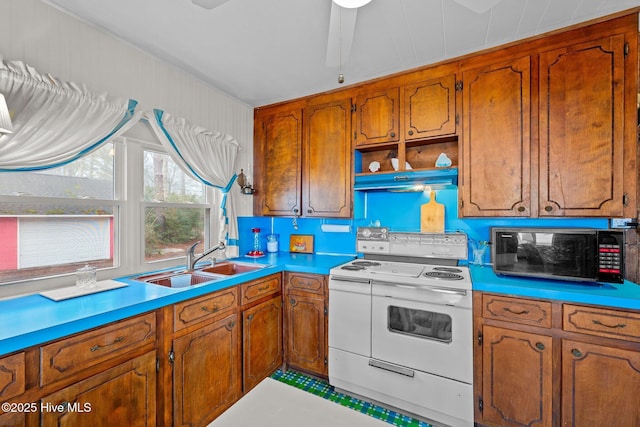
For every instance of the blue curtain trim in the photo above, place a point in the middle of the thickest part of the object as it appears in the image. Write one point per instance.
(158, 116)
(128, 115)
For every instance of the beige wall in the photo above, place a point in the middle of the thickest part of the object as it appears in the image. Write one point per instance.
(67, 48)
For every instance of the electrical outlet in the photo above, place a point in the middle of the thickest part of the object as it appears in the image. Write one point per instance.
(621, 222)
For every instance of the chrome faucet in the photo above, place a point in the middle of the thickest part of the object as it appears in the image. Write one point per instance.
(192, 260)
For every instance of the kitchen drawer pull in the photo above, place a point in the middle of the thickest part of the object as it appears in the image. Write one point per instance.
(509, 310)
(617, 326)
(576, 352)
(264, 288)
(100, 347)
(210, 310)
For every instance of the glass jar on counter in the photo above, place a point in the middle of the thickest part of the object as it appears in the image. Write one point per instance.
(272, 242)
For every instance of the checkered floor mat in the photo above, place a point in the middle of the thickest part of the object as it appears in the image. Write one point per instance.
(323, 389)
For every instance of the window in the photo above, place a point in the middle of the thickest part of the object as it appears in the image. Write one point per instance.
(55, 221)
(175, 210)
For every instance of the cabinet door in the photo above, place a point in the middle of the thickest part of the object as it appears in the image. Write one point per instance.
(430, 108)
(121, 396)
(262, 341)
(326, 170)
(495, 177)
(600, 385)
(277, 164)
(206, 372)
(517, 378)
(305, 334)
(582, 129)
(378, 117)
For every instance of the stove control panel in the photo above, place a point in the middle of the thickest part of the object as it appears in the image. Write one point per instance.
(379, 240)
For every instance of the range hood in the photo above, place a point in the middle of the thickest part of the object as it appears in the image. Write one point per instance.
(412, 180)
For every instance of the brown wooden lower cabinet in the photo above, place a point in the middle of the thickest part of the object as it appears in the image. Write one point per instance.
(306, 322)
(600, 385)
(124, 395)
(517, 372)
(262, 341)
(206, 372)
(550, 363)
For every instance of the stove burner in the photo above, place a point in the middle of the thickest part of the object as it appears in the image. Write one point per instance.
(366, 263)
(352, 267)
(448, 269)
(441, 275)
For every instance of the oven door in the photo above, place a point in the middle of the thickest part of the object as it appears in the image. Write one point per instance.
(423, 329)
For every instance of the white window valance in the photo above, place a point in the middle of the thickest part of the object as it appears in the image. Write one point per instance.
(206, 156)
(55, 122)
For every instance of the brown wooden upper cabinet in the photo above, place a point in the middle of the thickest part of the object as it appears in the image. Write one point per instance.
(582, 129)
(415, 111)
(549, 134)
(277, 163)
(302, 161)
(496, 142)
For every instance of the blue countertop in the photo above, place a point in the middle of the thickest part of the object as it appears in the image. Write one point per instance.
(625, 295)
(33, 320)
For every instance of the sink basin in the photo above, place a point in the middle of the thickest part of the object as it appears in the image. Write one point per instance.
(231, 268)
(177, 280)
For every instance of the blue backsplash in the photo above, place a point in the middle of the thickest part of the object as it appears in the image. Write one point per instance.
(398, 211)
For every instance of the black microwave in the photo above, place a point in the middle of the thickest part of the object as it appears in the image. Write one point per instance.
(559, 253)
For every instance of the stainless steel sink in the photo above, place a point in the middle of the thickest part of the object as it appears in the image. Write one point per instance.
(185, 278)
(230, 268)
(181, 279)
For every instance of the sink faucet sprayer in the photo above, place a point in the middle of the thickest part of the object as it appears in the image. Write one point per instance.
(191, 256)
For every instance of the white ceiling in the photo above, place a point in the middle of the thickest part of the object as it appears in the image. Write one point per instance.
(265, 51)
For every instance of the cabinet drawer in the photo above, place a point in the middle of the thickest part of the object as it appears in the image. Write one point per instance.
(254, 290)
(12, 379)
(204, 308)
(518, 310)
(308, 283)
(74, 354)
(601, 322)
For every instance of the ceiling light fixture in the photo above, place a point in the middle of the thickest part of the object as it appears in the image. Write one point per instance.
(351, 4)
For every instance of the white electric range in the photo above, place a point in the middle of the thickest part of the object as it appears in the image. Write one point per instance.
(400, 324)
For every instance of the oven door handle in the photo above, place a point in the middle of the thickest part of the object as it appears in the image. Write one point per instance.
(391, 368)
(460, 292)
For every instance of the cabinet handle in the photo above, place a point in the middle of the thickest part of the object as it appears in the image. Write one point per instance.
(508, 309)
(576, 352)
(520, 208)
(539, 346)
(548, 208)
(393, 134)
(619, 325)
(295, 210)
(210, 310)
(292, 301)
(410, 132)
(250, 317)
(309, 210)
(263, 288)
(100, 347)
